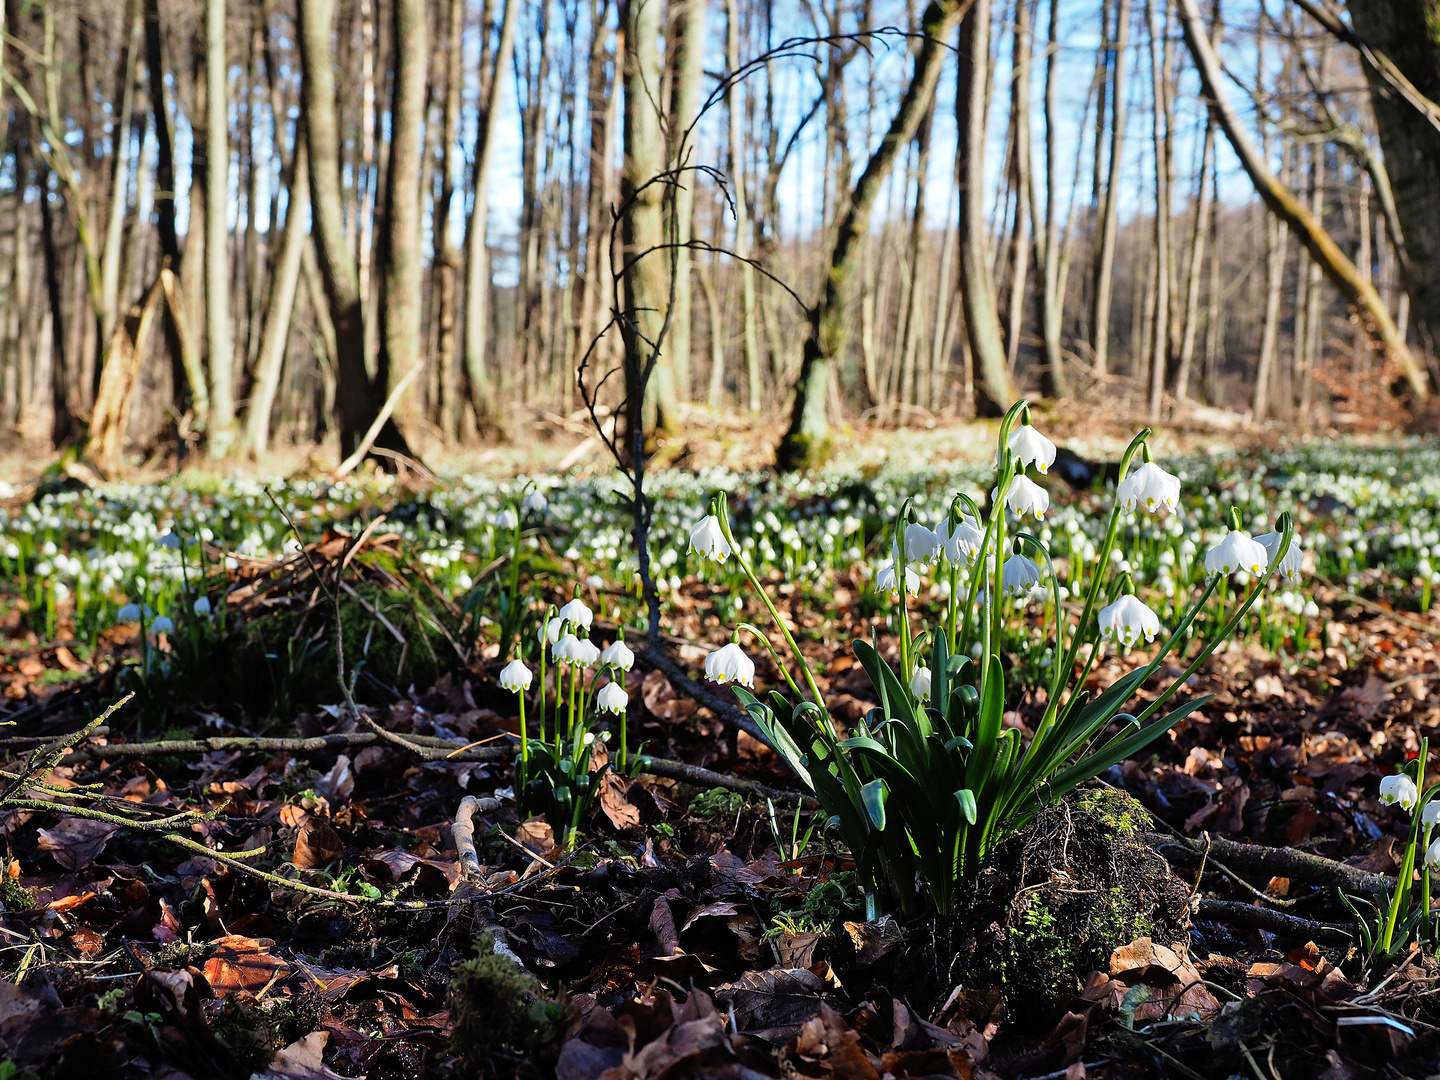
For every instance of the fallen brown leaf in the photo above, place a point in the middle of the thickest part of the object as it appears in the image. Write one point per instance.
(76, 842)
(241, 963)
(317, 845)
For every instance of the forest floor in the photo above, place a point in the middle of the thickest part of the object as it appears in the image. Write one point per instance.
(292, 899)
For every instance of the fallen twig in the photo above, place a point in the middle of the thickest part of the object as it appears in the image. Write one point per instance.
(1276, 922)
(694, 774)
(463, 832)
(1281, 862)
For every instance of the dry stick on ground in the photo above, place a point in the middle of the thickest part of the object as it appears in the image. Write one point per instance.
(464, 833)
(1281, 862)
(426, 747)
(1235, 913)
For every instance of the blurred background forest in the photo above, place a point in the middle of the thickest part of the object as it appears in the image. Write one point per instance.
(235, 226)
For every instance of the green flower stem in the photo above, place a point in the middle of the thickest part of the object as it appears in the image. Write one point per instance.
(1112, 528)
(524, 735)
(765, 640)
(723, 513)
(897, 563)
(1287, 531)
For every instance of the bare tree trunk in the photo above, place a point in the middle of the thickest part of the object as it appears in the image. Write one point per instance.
(1052, 306)
(1284, 205)
(977, 287)
(477, 252)
(806, 441)
(401, 296)
(448, 346)
(914, 389)
(354, 405)
(1197, 265)
(119, 175)
(186, 371)
(688, 28)
(1311, 356)
(1110, 214)
(1020, 241)
(217, 261)
(1159, 357)
(649, 374)
(735, 110)
(717, 345)
(284, 282)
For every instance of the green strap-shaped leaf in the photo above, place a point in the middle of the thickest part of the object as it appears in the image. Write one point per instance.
(987, 726)
(940, 675)
(967, 804)
(1120, 749)
(875, 794)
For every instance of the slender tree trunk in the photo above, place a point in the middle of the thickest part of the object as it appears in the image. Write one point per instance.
(735, 111)
(1020, 239)
(284, 283)
(448, 345)
(688, 27)
(354, 406)
(477, 252)
(977, 286)
(1110, 215)
(119, 174)
(1284, 205)
(401, 270)
(1052, 306)
(217, 262)
(649, 373)
(1197, 265)
(1159, 357)
(915, 389)
(1312, 283)
(806, 441)
(717, 345)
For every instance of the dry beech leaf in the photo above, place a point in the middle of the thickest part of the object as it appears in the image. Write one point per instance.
(301, 1060)
(317, 845)
(76, 842)
(242, 963)
(622, 813)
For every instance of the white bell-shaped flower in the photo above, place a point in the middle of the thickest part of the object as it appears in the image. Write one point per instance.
(534, 502)
(922, 545)
(567, 650)
(577, 614)
(618, 654)
(885, 582)
(587, 653)
(1398, 788)
(612, 698)
(708, 541)
(730, 664)
(1018, 576)
(1149, 486)
(1431, 814)
(549, 632)
(1289, 564)
(1432, 855)
(963, 544)
(1238, 551)
(161, 624)
(516, 677)
(1128, 620)
(169, 539)
(920, 683)
(505, 519)
(1026, 497)
(1032, 448)
(201, 606)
